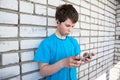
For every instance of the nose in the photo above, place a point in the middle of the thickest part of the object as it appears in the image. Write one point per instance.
(70, 29)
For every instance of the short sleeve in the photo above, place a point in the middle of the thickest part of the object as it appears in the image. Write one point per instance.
(43, 53)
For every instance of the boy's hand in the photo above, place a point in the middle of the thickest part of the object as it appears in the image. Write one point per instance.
(87, 56)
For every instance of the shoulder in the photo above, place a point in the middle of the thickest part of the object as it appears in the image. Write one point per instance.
(48, 39)
(72, 39)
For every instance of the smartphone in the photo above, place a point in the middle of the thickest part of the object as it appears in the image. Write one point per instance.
(87, 55)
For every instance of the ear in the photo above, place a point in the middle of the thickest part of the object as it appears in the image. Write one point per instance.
(57, 21)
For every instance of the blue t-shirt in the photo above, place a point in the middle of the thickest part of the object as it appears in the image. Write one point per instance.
(53, 49)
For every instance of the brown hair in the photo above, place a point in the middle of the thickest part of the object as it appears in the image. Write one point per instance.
(66, 11)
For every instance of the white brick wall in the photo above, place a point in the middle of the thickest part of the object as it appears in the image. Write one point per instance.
(51, 12)
(39, 1)
(32, 31)
(8, 45)
(8, 18)
(9, 72)
(85, 4)
(6, 31)
(9, 4)
(15, 78)
(39, 9)
(51, 22)
(28, 44)
(31, 19)
(32, 76)
(55, 2)
(27, 67)
(85, 11)
(25, 23)
(26, 7)
(10, 58)
(29, 54)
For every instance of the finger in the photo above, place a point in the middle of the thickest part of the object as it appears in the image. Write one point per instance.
(87, 59)
(73, 65)
(93, 54)
(78, 58)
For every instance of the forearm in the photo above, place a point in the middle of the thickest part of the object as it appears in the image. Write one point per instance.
(51, 69)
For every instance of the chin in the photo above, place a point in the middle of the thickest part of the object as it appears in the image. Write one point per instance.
(67, 34)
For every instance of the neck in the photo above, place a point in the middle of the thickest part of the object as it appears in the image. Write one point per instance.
(59, 35)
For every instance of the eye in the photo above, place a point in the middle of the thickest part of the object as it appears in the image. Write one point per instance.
(67, 25)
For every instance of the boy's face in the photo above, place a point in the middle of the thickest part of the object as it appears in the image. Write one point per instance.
(65, 27)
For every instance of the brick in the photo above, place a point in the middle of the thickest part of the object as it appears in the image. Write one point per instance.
(10, 58)
(82, 17)
(94, 8)
(101, 16)
(85, 25)
(84, 32)
(8, 45)
(51, 12)
(55, 2)
(75, 32)
(100, 49)
(93, 62)
(85, 11)
(101, 33)
(81, 73)
(94, 33)
(87, 19)
(32, 19)
(93, 39)
(86, 71)
(27, 67)
(15, 78)
(118, 33)
(51, 22)
(94, 14)
(92, 74)
(11, 4)
(99, 70)
(86, 46)
(94, 2)
(39, 9)
(85, 77)
(117, 28)
(101, 27)
(8, 31)
(85, 4)
(101, 5)
(51, 31)
(93, 78)
(26, 7)
(83, 67)
(94, 27)
(8, 18)
(32, 31)
(101, 11)
(29, 54)
(27, 44)
(6, 72)
(77, 25)
(84, 40)
(74, 1)
(39, 1)
(100, 60)
(118, 11)
(107, 18)
(32, 76)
